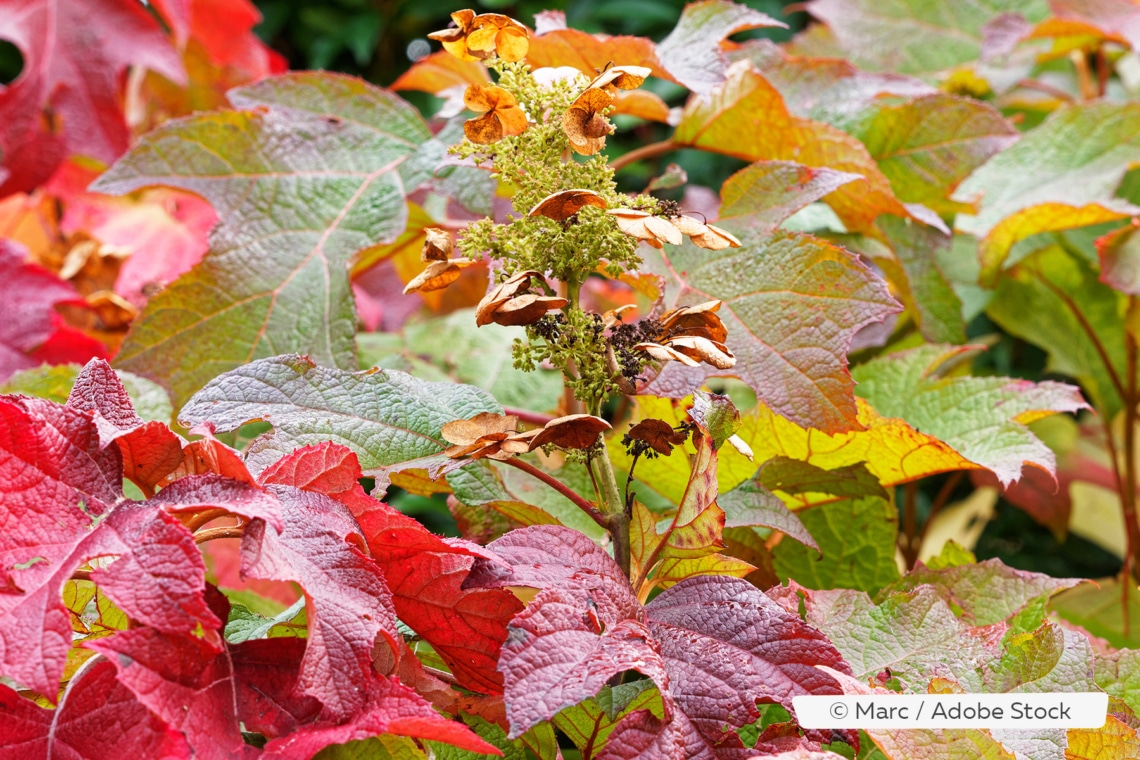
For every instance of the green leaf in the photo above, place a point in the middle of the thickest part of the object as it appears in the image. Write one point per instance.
(386, 747)
(1120, 260)
(768, 192)
(467, 354)
(983, 418)
(856, 538)
(793, 476)
(915, 634)
(244, 624)
(1118, 673)
(927, 146)
(751, 504)
(391, 420)
(792, 303)
(988, 592)
(924, 286)
(1071, 164)
(1062, 294)
(512, 749)
(1049, 659)
(914, 36)
(150, 399)
(1097, 609)
(692, 52)
(312, 170)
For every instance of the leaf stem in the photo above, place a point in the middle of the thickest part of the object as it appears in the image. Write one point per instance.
(196, 520)
(940, 501)
(527, 416)
(561, 488)
(909, 536)
(210, 534)
(645, 151)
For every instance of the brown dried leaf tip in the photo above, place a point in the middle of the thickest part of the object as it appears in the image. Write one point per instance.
(692, 335)
(656, 230)
(493, 435)
(441, 271)
(475, 38)
(501, 117)
(657, 435)
(509, 304)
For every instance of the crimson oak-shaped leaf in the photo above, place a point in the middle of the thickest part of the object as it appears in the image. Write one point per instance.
(98, 718)
(346, 599)
(390, 419)
(32, 332)
(716, 646)
(329, 156)
(150, 450)
(69, 98)
(185, 681)
(424, 572)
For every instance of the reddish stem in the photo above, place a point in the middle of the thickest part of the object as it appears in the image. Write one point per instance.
(561, 488)
(210, 534)
(526, 415)
(645, 151)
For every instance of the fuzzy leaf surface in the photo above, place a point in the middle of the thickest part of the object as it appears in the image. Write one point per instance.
(387, 417)
(982, 418)
(329, 156)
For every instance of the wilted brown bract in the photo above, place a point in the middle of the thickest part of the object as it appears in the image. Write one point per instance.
(645, 226)
(700, 320)
(621, 77)
(585, 123)
(437, 245)
(562, 205)
(480, 436)
(478, 37)
(691, 335)
(501, 117)
(437, 276)
(575, 431)
(510, 304)
(659, 434)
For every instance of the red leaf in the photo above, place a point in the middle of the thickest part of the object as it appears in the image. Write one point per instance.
(347, 601)
(266, 671)
(389, 708)
(97, 719)
(425, 573)
(31, 332)
(68, 98)
(151, 451)
(209, 455)
(184, 681)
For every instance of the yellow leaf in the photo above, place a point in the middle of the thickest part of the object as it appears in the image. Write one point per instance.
(1113, 741)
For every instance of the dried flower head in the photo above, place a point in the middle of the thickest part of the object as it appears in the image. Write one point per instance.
(575, 431)
(562, 205)
(437, 276)
(475, 38)
(585, 123)
(691, 335)
(700, 320)
(501, 117)
(657, 435)
(621, 77)
(480, 436)
(510, 304)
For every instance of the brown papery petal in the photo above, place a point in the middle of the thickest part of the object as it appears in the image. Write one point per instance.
(525, 309)
(688, 225)
(710, 352)
(437, 276)
(481, 98)
(485, 130)
(665, 354)
(513, 120)
(622, 77)
(500, 294)
(437, 245)
(575, 431)
(645, 226)
(468, 431)
(699, 320)
(659, 434)
(716, 239)
(562, 205)
(481, 41)
(512, 43)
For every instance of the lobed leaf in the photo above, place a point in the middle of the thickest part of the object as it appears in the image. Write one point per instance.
(333, 158)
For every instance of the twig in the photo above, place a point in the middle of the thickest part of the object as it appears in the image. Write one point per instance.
(210, 534)
(561, 488)
(645, 151)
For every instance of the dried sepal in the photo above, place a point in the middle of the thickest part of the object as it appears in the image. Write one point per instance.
(575, 431)
(663, 353)
(513, 286)
(613, 317)
(455, 39)
(501, 117)
(475, 38)
(437, 245)
(621, 77)
(479, 436)
(585, 123)
(645, 226)
(437, 276)
(658, 434)
(704, 235)
(700, 320)
(702, 349)
(494, 33)
(562, 205)
(523, 310)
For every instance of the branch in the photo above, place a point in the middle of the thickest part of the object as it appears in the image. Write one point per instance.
(561, 488)
(645, 151)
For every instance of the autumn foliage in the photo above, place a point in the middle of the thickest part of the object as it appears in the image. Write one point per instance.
(700, 446)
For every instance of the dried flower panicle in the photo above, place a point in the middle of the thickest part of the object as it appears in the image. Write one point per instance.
(691, 335)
